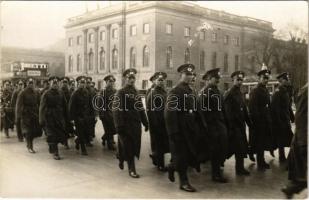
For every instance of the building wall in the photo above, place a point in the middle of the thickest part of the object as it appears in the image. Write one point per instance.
(158, 14)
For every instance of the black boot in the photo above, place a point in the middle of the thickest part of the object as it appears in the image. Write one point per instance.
(30, 145)
(294, 187)
(83, 149)
(132, 170)
(56, 153)
(171, 172)
(6, 131)
(282, 157)
(187, 187)
(240, 169)
(184, 182)
(217, 175)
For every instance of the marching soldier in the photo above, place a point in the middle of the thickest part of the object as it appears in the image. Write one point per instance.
(45, 87)
(297, 159)
(280, 113)
(66, 92)
(152, 140)
(54, 116)
(237, 117)
(156, 100)
(7, 117)
(16, 92)
(27, 111)
(92, 114)
(79, 110)
(259, 108)
(181, 122)
(129, 113)
(105, 113)
(72, 86)
(211, 100)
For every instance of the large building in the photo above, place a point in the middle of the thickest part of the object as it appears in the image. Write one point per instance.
(19, 63)
(159, 36)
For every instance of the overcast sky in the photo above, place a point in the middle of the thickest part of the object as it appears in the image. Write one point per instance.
(37, 24)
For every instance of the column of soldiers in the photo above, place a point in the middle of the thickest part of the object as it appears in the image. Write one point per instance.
(195, 127)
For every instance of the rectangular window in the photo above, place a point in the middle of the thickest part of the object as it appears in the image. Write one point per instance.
(225, 64)
(214, 37)
(133, 30)
(70, 42)
(90, 38)
(202, 35)
(168, 28)
(214, 60)
(79, 40)
(236, 41)
(102, 35)
(146, 28)
(169, 84)
(226, 39)
(236, 62)
(115, 33)
(187, 31)
(144, 84)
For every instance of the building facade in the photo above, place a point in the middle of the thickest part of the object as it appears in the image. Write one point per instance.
(158, 36)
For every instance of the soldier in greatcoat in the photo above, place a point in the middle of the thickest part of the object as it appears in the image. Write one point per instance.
(297, 159)
(16, 92)
(106, 114)
(64, 87)
(45, 87)
(280, 107)
(181, 119)
(54, 116)
(261, 138)
(155, 102)
(129, 114)
(7, 115)
(71, 86)
(27, 111)
(211, 99)
(237, 117)
(91, 119)
(152, 140)
(79, 109)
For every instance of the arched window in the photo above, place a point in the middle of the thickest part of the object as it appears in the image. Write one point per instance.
(132, 58)
(187, 55)
(169, 57)
(102, 59)
(115, 58)
(78, 62)
(70, 63)
(202, 60)
(90, 60)
(146, 56)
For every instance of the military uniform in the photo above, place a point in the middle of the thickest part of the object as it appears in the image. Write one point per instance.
(7, 115)
(155, 102)
(128, 119)
(152, 140)
(13, 102)
(212, 98)
(79, 110)
(261, 138)
(280, 112)
(297, 159)
(106, 115)
(237, 117)
(91, 119)
(27, 111)
(54, 117)
(181, 122)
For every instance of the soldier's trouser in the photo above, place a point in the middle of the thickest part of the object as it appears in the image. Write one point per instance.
(29, 140)
(215, 167)
(183, 176)
(53, 148)
(160, 159)
(260, 158)
(239, 160)
(281, 153)
(81, 131)
(131, 165)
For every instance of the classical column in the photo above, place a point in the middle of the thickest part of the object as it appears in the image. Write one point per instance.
(96, 47)
(121, 40)
(85, 51)
(108, 47)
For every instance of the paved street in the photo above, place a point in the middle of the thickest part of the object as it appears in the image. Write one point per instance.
(98, 176)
